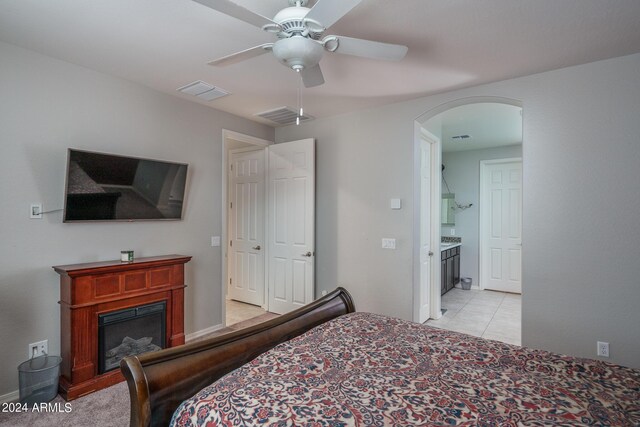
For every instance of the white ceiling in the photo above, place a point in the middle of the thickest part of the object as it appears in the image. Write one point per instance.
(165, 44)
(488, 125)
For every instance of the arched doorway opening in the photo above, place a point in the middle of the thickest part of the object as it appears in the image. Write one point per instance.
(465, 135)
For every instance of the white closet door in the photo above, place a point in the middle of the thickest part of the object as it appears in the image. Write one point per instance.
(291, 225)
(246, 224)
(502, 226)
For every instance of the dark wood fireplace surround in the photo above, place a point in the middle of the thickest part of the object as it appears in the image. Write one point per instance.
(88, 290)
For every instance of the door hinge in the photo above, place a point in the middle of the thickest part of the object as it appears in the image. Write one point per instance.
(232, 167)
(231, 205)
(231, 243)
(230, 280)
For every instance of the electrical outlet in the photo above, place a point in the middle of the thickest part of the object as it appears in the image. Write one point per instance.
(388, 243)
(603, 349)
(215, 241)
(38, 348)
(35, 211)
(323, 293)
(453, 231)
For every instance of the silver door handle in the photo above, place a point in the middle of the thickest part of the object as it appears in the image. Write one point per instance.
(257, 248)
(308, 254)
(430, 253)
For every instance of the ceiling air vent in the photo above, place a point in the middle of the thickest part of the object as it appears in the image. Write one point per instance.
(461, 137)
(283, 116)
(203, 90)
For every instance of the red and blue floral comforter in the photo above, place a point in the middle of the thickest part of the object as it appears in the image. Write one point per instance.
(369, 370)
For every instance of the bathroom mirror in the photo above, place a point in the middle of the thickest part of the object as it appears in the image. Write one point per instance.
(447, 213)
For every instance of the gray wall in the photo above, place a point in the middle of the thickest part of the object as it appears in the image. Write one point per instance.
(48, 105)
(462, 172)
(580, 233)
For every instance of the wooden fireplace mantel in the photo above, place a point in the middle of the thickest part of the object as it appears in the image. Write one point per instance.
(88, 290)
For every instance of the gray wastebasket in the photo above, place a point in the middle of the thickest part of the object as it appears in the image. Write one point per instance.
(38, 378)
(466, 283)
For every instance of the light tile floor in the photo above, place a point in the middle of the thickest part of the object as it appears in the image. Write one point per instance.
(486, 314)
(239, 312)
(240, 316)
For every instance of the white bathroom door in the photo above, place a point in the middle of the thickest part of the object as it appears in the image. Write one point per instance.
(291, 224)
(501, 222)
(426, 249)
(246, 226)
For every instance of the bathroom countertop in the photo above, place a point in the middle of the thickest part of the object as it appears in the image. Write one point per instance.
(444, 246)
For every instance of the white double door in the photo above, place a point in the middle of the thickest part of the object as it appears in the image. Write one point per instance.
(501, 225)
(246, 226)
(280, 194)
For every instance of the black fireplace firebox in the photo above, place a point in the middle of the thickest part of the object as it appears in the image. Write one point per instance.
(128, 332)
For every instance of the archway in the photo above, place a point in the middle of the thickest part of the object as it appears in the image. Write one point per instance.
(428, 289)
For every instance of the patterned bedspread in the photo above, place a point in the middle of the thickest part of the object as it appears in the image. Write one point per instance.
(369, 370)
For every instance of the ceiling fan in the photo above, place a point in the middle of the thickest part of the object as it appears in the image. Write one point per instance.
(300, 30)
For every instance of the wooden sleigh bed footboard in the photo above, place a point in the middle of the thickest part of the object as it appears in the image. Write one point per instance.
(159, 381)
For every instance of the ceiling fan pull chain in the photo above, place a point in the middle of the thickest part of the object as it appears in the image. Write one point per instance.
(300, 82)
(300, 110)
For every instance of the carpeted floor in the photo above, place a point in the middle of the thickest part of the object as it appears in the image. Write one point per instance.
(104, 408)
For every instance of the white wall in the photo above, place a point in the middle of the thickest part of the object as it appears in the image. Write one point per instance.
(462, 172)
(47, 106)
(581, 229)
(361, 163)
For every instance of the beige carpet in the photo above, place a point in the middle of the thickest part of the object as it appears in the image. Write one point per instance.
(104, 408)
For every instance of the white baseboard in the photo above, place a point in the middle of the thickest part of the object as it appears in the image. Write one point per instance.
(10, 397)
(476, 287)
(202, 332)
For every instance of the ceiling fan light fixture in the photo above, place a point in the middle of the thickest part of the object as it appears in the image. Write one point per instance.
(298, 52)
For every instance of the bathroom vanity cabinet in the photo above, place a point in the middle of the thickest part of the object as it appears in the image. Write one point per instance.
(450, 269)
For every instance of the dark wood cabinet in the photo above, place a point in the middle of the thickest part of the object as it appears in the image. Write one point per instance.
(88, 290)
(456, 268)
(450, 269)
(443, 277)
(449, 274)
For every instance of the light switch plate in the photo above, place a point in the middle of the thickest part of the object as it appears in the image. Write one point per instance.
(388, 243)
(395, 204)
(215, 241)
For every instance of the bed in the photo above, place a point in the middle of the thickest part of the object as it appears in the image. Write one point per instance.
(324, 364)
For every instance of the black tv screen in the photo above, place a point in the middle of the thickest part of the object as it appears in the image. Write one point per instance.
(104, 187)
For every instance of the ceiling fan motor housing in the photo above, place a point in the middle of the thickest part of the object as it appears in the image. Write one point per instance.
(298, 52)
(292, 21)
(291, 14)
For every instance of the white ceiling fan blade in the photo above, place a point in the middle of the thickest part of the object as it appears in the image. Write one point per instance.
(230, 8)
(328, 12)
(241, 56)
(312, 76)
(368, 48)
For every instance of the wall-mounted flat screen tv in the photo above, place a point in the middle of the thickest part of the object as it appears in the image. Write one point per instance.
(107, 187)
